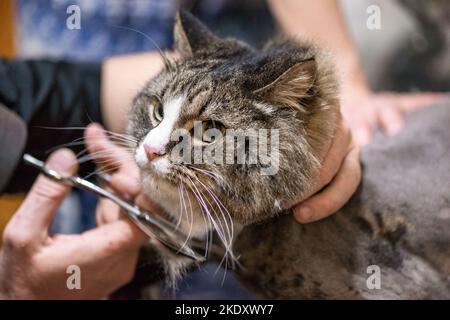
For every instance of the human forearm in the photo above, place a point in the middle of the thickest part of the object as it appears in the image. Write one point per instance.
(322, 21)
(122, 78)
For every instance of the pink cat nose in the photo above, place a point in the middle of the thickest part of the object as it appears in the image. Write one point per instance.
(151, 152)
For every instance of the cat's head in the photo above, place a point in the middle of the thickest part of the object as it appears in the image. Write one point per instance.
(285, 94)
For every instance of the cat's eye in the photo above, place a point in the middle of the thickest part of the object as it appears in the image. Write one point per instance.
(208, 135)
(157, 109)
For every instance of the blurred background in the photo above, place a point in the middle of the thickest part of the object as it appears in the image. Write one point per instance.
(409, 53)
(32, 28)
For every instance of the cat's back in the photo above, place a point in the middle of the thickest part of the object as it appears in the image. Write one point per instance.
(406, 185)
(398, 220)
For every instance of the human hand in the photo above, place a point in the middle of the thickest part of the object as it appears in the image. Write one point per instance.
(341, 170)
(119, 164)
(33, 264)
(340, 175)
(364, 111)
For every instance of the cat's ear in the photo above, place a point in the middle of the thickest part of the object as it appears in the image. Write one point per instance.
(291, 86)
(190, 35)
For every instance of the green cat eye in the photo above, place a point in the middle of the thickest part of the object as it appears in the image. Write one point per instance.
(158, 109)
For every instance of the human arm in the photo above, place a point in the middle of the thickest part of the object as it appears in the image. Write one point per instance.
(364, 110)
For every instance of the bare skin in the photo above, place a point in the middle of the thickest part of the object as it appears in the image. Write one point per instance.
(33, 263)
(341, 174)
(363, 109)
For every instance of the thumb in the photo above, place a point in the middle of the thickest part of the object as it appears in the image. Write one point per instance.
(36, 212)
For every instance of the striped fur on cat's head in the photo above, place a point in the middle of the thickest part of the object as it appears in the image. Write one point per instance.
(226, 84)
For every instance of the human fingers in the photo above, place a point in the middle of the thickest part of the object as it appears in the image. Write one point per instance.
(335, 195)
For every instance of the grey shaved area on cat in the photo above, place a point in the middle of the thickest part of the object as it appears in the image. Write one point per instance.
(399, 218)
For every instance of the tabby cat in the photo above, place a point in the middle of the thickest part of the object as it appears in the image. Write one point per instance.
(398, 220)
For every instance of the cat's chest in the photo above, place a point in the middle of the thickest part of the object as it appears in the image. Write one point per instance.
(178, 203)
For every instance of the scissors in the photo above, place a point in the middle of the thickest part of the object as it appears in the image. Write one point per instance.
(152, 225)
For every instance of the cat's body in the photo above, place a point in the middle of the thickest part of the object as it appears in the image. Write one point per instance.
(396, 221)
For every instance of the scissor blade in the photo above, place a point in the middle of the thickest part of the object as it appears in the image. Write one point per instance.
(152, 225)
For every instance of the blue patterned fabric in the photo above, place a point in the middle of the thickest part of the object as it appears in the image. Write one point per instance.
(43, 31)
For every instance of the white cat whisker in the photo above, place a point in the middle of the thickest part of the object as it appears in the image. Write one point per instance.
(201, 201)
(217, 200)
(102, 171)
(211, 193)
(101, 155)
(126, 136)
(190, 226)
(217, 225)
(207, 223)
(206, 172)
(180, 217)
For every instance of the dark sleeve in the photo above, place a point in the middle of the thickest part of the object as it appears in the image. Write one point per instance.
(49, 94)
